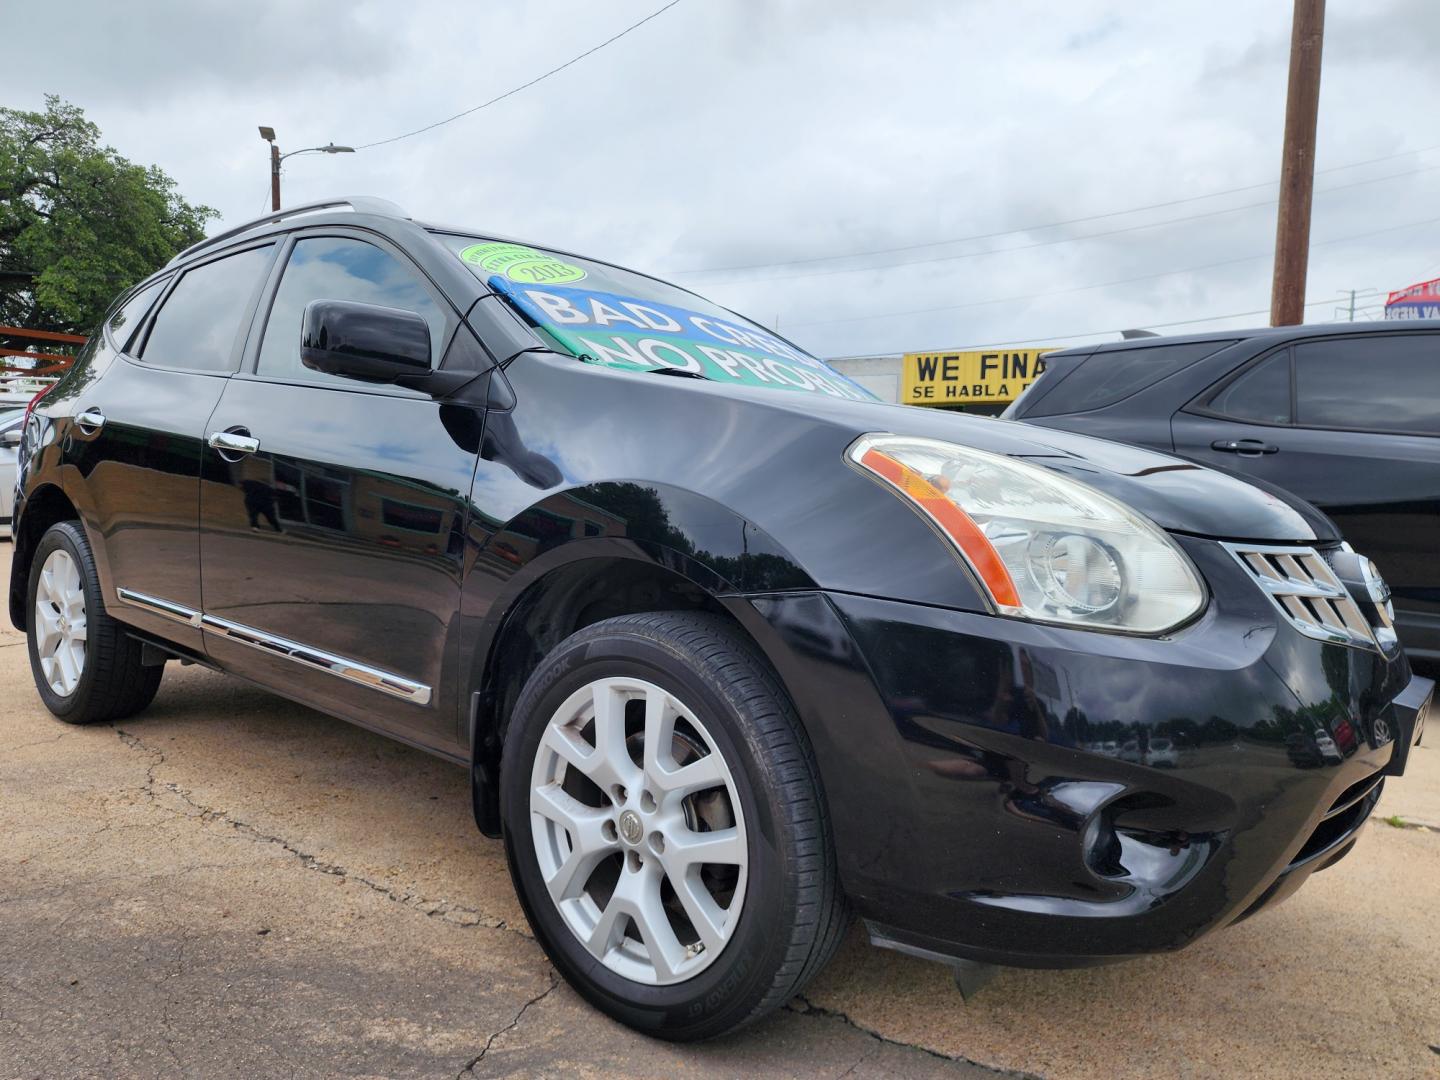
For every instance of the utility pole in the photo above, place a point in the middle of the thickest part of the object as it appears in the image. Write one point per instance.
(1347, 308)
(1297, 165)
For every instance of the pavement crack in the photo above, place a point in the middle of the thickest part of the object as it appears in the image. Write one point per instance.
(811, 1009)
(863, 1059)
(153, 788)
(470, 1066)
(1400, 821)
(37, 742)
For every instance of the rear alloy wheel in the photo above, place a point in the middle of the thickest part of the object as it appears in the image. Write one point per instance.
(60, 622)
(665, 826)
(86, 666)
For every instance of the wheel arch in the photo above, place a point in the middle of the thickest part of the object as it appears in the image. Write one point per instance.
(569, 588)
(44, 507)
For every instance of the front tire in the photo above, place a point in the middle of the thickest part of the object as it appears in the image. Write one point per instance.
(665, 826)
(86, 667)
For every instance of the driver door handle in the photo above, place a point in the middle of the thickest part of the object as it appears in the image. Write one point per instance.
(233, 442)
(1244, 447)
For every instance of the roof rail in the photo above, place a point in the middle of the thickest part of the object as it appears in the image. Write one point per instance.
(361, 204)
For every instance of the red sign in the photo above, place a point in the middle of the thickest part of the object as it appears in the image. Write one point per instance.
(1417, 302)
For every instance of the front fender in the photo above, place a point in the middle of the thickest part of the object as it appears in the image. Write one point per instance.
(696, 536)
(707, 545)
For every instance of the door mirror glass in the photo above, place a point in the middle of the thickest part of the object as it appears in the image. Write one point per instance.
(364, 341)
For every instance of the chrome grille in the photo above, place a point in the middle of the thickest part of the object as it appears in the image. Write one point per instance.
(1302, 585)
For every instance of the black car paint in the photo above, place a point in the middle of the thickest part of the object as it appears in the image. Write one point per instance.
(1381, 489)
(968, 817)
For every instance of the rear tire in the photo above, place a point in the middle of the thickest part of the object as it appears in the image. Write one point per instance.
(86, 667)
(699, 947)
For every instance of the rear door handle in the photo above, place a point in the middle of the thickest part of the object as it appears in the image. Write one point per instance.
(234, 443)
(1244, 447)
(90, 421)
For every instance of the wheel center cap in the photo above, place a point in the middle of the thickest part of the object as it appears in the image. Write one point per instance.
(631, 830)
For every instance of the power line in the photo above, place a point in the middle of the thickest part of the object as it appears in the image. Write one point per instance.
(523, 86)
(1106, 284)
(1090, 333)
(1056, 224)
(1055, 241)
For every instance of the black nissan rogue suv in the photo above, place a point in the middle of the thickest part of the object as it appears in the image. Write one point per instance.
(729, 649)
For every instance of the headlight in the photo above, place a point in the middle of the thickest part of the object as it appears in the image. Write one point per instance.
(1045, 547)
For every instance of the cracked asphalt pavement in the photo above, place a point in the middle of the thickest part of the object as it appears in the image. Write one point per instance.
(232, 885)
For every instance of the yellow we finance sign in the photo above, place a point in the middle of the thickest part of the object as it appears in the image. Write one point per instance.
(984, 377)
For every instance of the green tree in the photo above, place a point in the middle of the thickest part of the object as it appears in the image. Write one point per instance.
(78, 222)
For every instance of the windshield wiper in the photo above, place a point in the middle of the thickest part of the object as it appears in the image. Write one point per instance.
(679, 372)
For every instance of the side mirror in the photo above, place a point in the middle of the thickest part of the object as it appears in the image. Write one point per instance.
(11, 437)
(364, 341)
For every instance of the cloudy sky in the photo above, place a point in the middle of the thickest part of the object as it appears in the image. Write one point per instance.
(875, 177)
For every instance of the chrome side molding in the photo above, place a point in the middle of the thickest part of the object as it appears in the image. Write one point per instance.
(341, 667)
(157, 606)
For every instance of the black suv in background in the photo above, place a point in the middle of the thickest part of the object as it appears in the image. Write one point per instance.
(729, 648)
(1346, 416)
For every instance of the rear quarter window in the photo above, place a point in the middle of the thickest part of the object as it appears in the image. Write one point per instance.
(123, 323)
(1261, 393)
(1107, 377)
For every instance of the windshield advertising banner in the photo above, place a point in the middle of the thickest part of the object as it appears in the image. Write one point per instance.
(625, 332)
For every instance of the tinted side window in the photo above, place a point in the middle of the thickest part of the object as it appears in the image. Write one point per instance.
(1388, 383)
(197, 325)
(1261, 394)
(339, 268)
(1108, 377)
(123, 322)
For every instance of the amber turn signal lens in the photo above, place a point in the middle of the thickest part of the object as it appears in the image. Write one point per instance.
(954, 522)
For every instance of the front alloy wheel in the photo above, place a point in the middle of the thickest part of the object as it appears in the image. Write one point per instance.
(638, 830)
(665, 826)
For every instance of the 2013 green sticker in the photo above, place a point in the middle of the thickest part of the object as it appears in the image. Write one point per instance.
(522, 264)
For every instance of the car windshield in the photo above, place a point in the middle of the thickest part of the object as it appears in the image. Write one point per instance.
(616, 318)
(9, 415)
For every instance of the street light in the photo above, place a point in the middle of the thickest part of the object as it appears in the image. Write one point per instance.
(268, 134)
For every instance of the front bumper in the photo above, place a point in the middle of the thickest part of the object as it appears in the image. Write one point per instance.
(1030, 795)
(1411, 710)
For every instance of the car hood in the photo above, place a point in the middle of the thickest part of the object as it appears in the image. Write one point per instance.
(1176, 494)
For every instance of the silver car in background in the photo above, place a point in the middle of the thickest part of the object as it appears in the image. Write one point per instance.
(11, 419)
(17, 391)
